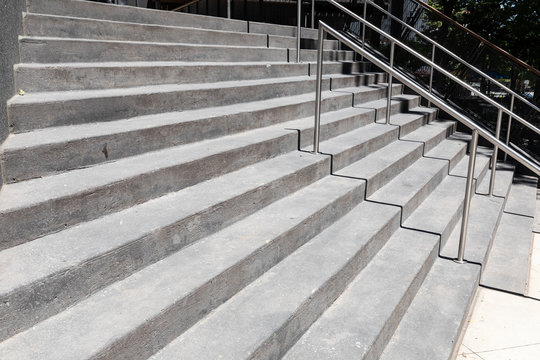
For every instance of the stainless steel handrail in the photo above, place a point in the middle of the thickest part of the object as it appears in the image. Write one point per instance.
(477, 130)
(437, 67)
(440, 47)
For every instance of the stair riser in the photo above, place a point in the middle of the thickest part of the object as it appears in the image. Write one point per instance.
(377, 347)
(404, 104)
(347, 157)
(52, 50)
(61, 78)
(38, 301)
(288, 334)
(25, 224)
(281, 30)
(328, 55)
(30, 116)
(131, 14)
(32, 162)
(290, 42)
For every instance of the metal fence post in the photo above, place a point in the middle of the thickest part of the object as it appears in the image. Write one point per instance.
(431, 72)
(468, 196)
(509, 125)
(389, 100)
(494, 155)
(298, 28)
(317, 124)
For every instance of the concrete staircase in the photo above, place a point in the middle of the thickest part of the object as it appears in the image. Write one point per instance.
(159, 198)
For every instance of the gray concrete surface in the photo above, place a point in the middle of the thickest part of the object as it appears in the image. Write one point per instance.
(10, 28)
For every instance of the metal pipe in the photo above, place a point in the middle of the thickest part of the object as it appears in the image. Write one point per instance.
(468, 196)
(437, 67)
(431, 72)
(298, 28)
(228, 9)
(389, 98)
(534, 167)
(317, 125)
(433, 42)
(313, 14)
(494, 155)
(509, 125)
(364, 28)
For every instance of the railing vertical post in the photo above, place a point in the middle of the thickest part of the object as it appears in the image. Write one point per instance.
(509, 125)
(313, 14)
(317, 125)
(495, 153)
(431, 72)
(389, 99)
(468, 195)
(298, 26)
(229, 9)
(364, 28)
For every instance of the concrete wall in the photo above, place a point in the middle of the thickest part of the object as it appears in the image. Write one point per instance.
(10, 29)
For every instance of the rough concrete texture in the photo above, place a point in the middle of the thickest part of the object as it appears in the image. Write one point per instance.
(264, 319)
(442, 302)
(360, 322)
(157, 202)
(507, 267)
(168, 305)
(10, 28)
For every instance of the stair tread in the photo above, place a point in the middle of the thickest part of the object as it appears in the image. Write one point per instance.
(239, 327)
(158, 287)
(432, 325)
(522, 197)
(507, 266)
(358, 136)
(357, 321)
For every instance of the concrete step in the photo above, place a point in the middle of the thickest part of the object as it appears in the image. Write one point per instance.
(484, 218)
(147, 16)
(84, 194)
(127, 13)
(265, 319)
(166, 298)
(61, 50)
(442, 209)
(381, 166)
(508, 265)
(88, 76)
(85, 28)
(38, 153)
(362, 320)
(431, 327)
(522, 196)
(84, 106)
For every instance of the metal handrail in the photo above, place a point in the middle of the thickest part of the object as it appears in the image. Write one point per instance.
(478, 37)
(437, 67)
(476, 130)
(440, 47)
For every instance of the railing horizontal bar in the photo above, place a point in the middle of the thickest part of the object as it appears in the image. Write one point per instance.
(437, 67)
(535, 168)
(472, 67)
